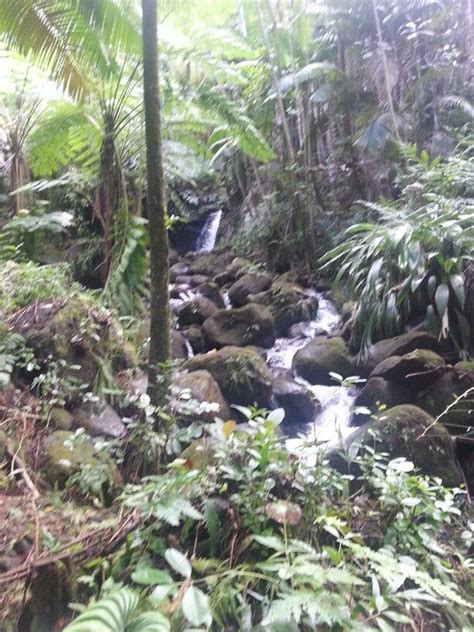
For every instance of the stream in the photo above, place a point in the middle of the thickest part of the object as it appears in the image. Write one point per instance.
(332, 420)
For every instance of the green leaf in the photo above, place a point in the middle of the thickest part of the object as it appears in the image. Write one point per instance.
(196, 606)
(441, 299)
(151, 577)
(457, 283)
(110, 614)
(149, 622)
(270, 541)
(178, 562)
(276, 416)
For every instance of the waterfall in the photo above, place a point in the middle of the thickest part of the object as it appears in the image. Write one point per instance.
(207, 237)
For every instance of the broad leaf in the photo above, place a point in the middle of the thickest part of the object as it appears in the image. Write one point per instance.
(178, 562)
(196, 606)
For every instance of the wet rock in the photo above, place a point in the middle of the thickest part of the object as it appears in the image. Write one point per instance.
(298, 401)
(177, 291)
(297, 331)
(178, 269)
(196, 339)
(408, 431)
(321, 356)
(363, 365)
(438, 399)
(184, 279)
(288, 303)
(198, 396)
(242, 375)
(210, 264)
(195, 312)
(379, 392)
(251, 283)
(248, 325)
(211, 291)
(99, 419)
(416, 370)
(199, 279)
(179, 347)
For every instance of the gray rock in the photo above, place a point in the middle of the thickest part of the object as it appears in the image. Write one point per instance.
(251, 283)
(99, 419)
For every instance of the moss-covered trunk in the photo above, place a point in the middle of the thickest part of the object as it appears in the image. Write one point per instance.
(160, 316)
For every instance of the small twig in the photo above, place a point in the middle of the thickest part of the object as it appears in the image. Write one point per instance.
(21, 469)
(446, 410)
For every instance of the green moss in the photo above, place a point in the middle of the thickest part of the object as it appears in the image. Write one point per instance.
(24, 283)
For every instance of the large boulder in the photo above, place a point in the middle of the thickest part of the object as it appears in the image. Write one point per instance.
(364, 364)
(408, 431)
(251, 283)
(248, 325)
(242, 375)
(288, 303)
(298, 401)
(211, 291)
(198, 396)
(195, 312)
(81, 338)
(321, 356)
(234, 270)
(377, 393)
(439, 398)
(64, 454)
(416, 369)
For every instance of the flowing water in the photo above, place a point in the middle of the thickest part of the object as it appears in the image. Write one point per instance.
(207, 239)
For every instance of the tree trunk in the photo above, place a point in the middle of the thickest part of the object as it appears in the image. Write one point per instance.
(159, 249)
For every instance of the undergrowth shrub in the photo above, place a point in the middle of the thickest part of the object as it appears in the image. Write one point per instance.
(406, 261)
(238, 534)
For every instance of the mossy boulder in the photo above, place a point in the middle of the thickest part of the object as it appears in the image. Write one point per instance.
(416, 369)
(436, 399)
(320, 357)
(196, 338)
(64, 455)
(365, 363)
(288, 303)
(251, 283)
(197, 395)
(195, 312)
(60, 418)
(408, 431)
(242, 375)
(379, 392)
(234, 270)
(81, 337)
(248, 325)
(298, 401)
(211, 291)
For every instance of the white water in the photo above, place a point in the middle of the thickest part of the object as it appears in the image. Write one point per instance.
(207, 238)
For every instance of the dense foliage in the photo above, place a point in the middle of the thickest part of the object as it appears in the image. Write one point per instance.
(333, 140)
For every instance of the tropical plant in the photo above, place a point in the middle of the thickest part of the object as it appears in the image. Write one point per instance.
(408, 259)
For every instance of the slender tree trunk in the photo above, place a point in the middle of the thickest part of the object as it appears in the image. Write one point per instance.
(159, 249)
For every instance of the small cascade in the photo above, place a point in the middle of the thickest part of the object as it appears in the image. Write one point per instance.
(207, 238)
